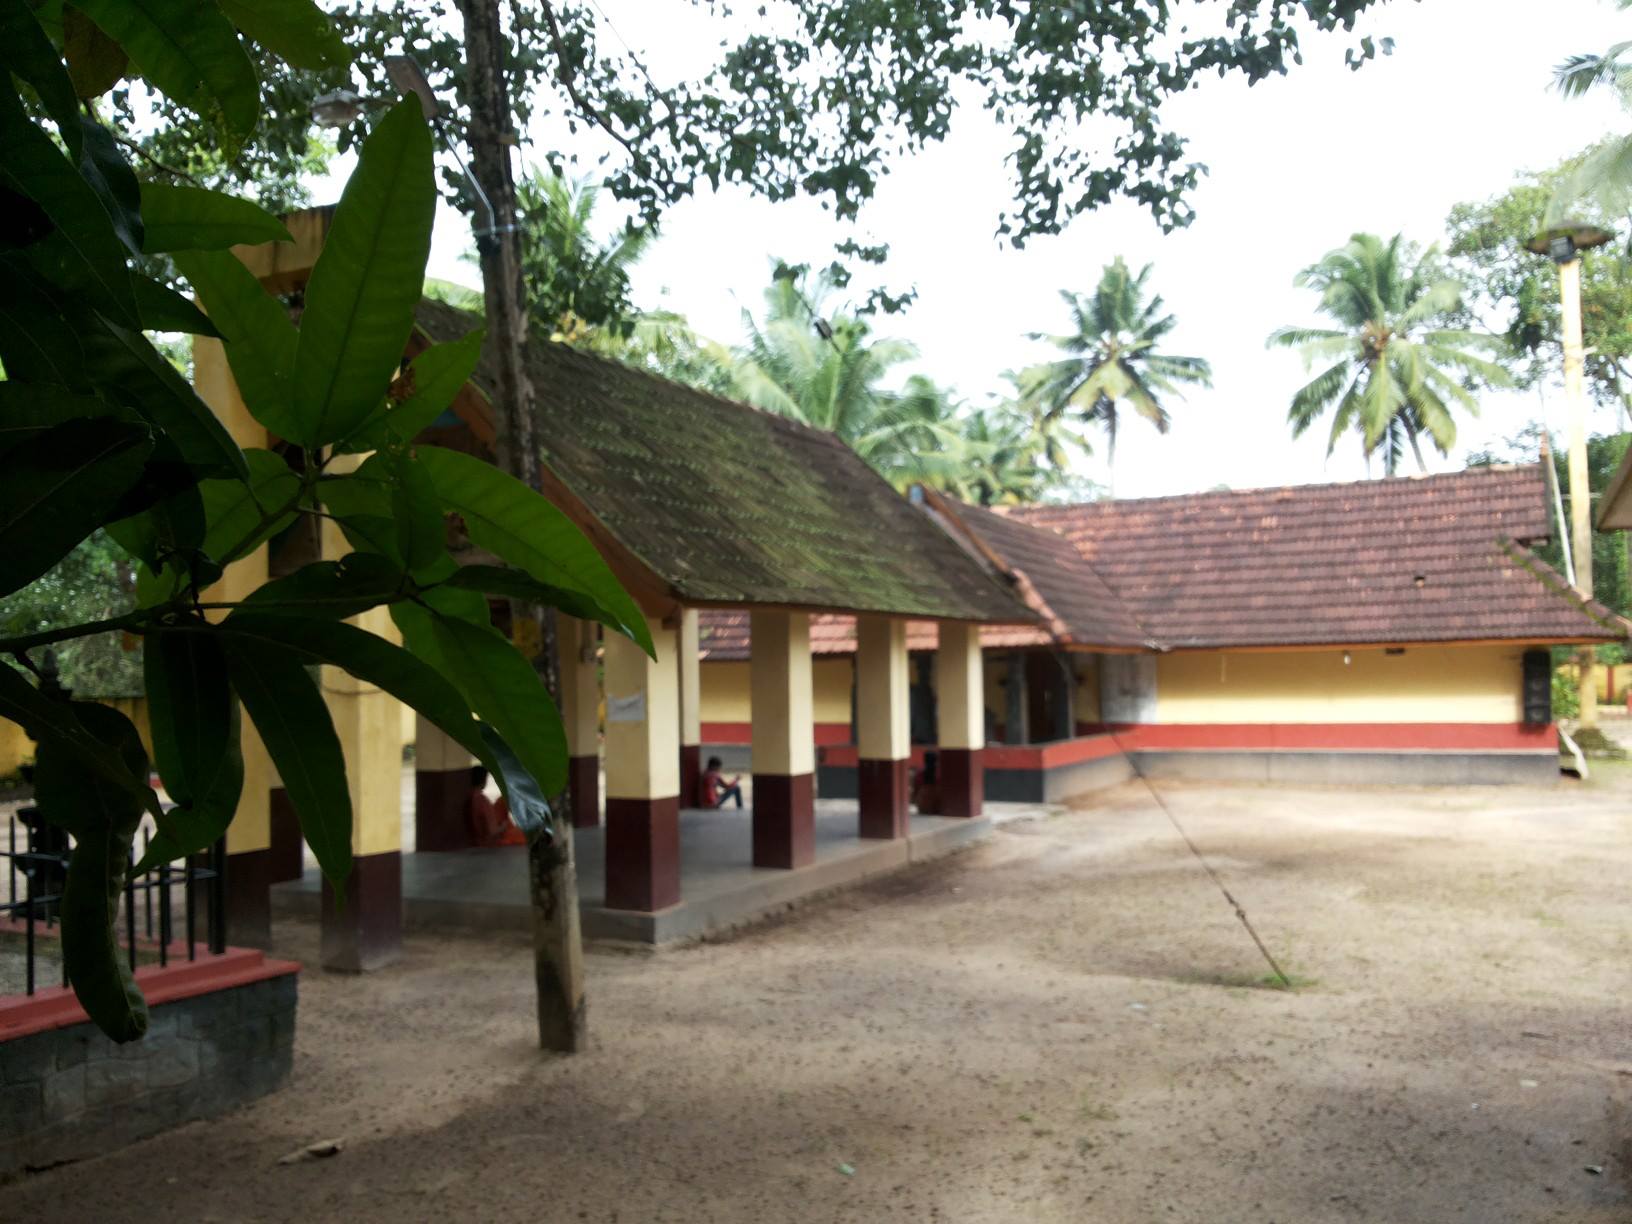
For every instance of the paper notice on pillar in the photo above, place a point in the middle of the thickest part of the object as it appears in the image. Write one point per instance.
(630, 709)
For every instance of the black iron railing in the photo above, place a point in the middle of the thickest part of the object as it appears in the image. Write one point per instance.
(36, 874)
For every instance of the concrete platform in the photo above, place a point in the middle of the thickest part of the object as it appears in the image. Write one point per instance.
(719, 885)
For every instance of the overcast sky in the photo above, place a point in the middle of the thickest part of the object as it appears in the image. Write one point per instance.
(1297, 164)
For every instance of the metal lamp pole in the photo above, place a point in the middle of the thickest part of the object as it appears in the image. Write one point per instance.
(1563, 244)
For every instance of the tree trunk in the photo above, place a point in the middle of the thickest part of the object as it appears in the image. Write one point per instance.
(557, 943)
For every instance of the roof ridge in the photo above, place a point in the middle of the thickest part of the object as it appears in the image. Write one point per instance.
(1046, 509)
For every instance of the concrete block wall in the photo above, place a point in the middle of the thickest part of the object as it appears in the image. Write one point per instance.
(68, 1093)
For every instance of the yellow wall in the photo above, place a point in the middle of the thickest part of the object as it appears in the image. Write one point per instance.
(725, 694)
(16, 749)
(1470, 684)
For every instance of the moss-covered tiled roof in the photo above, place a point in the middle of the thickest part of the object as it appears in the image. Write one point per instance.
(727, 504)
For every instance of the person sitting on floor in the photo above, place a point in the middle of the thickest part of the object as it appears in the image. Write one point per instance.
(716, 790)
(489, 820)
(926, 786)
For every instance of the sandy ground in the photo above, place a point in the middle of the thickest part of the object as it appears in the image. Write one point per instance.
(1063, 1024)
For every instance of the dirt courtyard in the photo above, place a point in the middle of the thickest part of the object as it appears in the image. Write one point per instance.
(1064, 1023)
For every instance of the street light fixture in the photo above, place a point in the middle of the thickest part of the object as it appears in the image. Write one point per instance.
(1563, 244)
(343, 107)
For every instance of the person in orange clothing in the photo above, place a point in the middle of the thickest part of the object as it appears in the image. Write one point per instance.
(489, 820)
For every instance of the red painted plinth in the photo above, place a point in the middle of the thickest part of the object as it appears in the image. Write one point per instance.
(441, 799)
(642, 853)
(882, 788)
(584, 779)
(784, 820)
(691, 775)
(963, 781)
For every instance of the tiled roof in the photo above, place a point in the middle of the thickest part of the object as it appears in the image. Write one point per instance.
(726, 504)
(1073, 602)
(1427, 559)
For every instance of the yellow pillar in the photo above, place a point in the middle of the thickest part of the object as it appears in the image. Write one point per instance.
(367, 932)
(883, 725)
(1575, 396)
(251, 862)
(689, 659)
(784, 740)
(961, 718)
(642, 773)
(581, 711)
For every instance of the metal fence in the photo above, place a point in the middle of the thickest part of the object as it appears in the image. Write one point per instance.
(159, 919)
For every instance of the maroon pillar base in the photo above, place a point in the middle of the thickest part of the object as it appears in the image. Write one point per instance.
(882, 788)
(642, 853)
(584, 780)
(441, 799)
(784, 820)
(287, 857)
(366, 932)
(691, 775)
(249, 899)
(963, 781)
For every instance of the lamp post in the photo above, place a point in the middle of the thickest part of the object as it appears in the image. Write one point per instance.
(1563, 244)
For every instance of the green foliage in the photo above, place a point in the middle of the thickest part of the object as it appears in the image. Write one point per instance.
(1399, 362)
(1113, 357)
(1603, 177)
(815, 98)
(576, 283)
(1611, 582)
(1566, 694)
(1517, 290)
(114, 468)
(94, 582)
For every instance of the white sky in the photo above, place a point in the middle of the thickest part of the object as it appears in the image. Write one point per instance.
(1297, 164)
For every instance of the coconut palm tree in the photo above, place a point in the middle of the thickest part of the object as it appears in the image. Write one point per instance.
(1396, 365)
(1113, 358)
(576, 281)
(1606, 172)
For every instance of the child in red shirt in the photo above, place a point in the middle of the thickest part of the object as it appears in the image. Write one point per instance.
(716, 790)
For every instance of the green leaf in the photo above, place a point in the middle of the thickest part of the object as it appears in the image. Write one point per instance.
(528, 806)
(104, 167)
(131, 371)
(360, 300)
(233, 508)
(28, 409)
(95, 61)
(36, 168)
(260, 340)
(49, 720)
(371, 659)
(293, 30)
(103, 818)
(193, 718)
(27, 51)
(289, 712)
(164, 310)
(506, 692)
(518, 584)
(189, 51)
(193, 219)
(435, 377)
(332, 589)
(422, 531)
(173, 527)
(58, 487)
(521, 527)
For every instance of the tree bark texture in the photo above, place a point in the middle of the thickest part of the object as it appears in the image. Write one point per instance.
(553, 887)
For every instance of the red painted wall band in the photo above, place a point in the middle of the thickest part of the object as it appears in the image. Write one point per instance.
(743, 733)
(1253, 737)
